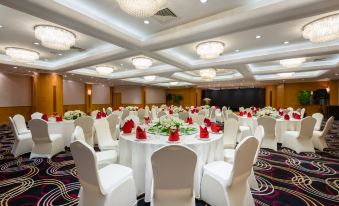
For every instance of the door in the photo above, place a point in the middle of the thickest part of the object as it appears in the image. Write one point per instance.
(116, 100)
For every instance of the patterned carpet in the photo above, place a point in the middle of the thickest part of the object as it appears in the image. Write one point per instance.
(285, 178)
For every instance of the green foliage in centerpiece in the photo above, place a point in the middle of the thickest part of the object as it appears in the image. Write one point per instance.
(73, 115)
(170, 122)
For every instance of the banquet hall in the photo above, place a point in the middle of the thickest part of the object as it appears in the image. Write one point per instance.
(169, 102)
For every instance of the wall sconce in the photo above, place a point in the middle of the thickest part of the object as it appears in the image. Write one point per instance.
(328, 90)
(89, 92)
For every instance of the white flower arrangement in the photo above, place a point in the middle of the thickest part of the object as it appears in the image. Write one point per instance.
(205, 107)
(132, 108)
(176, 109)
(267, 111)
(73, 115)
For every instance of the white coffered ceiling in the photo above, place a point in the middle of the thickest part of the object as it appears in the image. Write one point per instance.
(106, 36)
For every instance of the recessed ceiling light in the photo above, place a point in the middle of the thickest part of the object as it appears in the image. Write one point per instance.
(286, 42)
(36, 43)
(336, 74)
(146, 22)
(203, 1)
(121, 64)
(15, 67)
(60, 54)
(72, 74)
(237, 50)
(1, 26)
(258, 36)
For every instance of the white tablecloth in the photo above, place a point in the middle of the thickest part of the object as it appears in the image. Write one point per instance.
(66, 128)
(281, 125)
(137, 155)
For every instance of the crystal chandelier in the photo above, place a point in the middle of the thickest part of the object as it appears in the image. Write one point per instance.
(292, 63)
(54, 37)
(21, 55)
(142, 62)
(322, 30)
(208, 74)
(104, 70)
(210, 50)
(141, 8)
(149, 78)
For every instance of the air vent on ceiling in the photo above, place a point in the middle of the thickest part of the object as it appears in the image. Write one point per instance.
(77, 48)
(165, 16)
(319, 59)
(73, 48)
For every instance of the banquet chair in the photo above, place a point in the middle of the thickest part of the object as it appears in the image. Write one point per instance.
(269, 140)
(183, 115)
(104, 157)
(173, 171)
(302, 112)
(244, 131)
(23, 143)
(86, 123)
(110, 185)
(212, 115)
(94, 114)
(290, 109)
(36, 115)
(132, 117)
(109, 111)
(154, 113)
(198, 119)
(103, 132)
(241, 109)
(225, 184)
(114, 125)
(318, 137)
(319, 117)
(141, 115)
(202, 113)
(45, 145)
(161, 113)
(20, 124)
(125, 113)
(230, 133)
(300, 141)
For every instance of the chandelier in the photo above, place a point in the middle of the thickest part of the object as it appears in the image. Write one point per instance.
(286, 74)
(142, 62)
(208, 74)
(54, 37)
(292, 63)
(141, 8)
(149, 78)
(322, 30)
(174, 83)
(104, 70)
(210, 50)
(21, 55)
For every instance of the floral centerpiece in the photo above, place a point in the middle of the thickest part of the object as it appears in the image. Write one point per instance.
(267, 111)
(132, 108)
(177, 109)
(168, 122)
(207, 100)
(73, 115)
(205, 106)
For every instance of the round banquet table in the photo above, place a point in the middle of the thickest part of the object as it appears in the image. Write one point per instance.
(281, 125)
(66, 128)
(137, 155)
(133, 113)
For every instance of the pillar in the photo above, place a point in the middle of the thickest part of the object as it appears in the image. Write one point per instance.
(271, 95)
(333, 86)
(47, 95)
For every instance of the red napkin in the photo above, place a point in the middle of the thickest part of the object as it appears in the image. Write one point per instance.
(296, 116)
(44, 117)
(215, 127)
(174, 135)
(241, 113)
(207, 122)
(249, 115)
(281, 113)
(140, 134)
(58, 119)
(170, 111)
(103, 114)
(147, 120)
(189, 120)
(128, 126)
(98, 115)
(286, 117)
(204, 133)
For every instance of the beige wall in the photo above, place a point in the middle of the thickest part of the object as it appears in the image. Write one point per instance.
(100, 94)
(155, 95)
(74, 93)
(130, 95)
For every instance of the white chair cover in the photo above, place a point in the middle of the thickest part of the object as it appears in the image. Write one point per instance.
(318, 137)
(125, 113)
(86, 123)
(173, 170)
(23, 143)
(20, 124)
(45, 145)
(103, 132)
(141, 115)
(36, 115)
(269, 140)
(112, 184)
(183, 115)
(114, 126)
(319, 117)
(94, 114)
(230, 133)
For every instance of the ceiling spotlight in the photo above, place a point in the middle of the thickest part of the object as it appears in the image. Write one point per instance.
(286, 74)
(142, 62)
(149, 78)
(21, 55)
(121, 64)
(286, 42)
(60, 54)
(174, 83)
(54, 37)
(292, 63)
(210, 49)
(146, 22)
(104, 70)
(336, 74)
(36, 43)
(15, 67)
(208, 74)
(203, 1)
(1, 26)
(258, 36)
(237, 50)
(141, 8)
(323, 29)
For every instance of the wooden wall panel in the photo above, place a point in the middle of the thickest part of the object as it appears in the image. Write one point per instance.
(270, 88)
(281, 96)
(6, 112)
(334, 96)
(189, 96)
